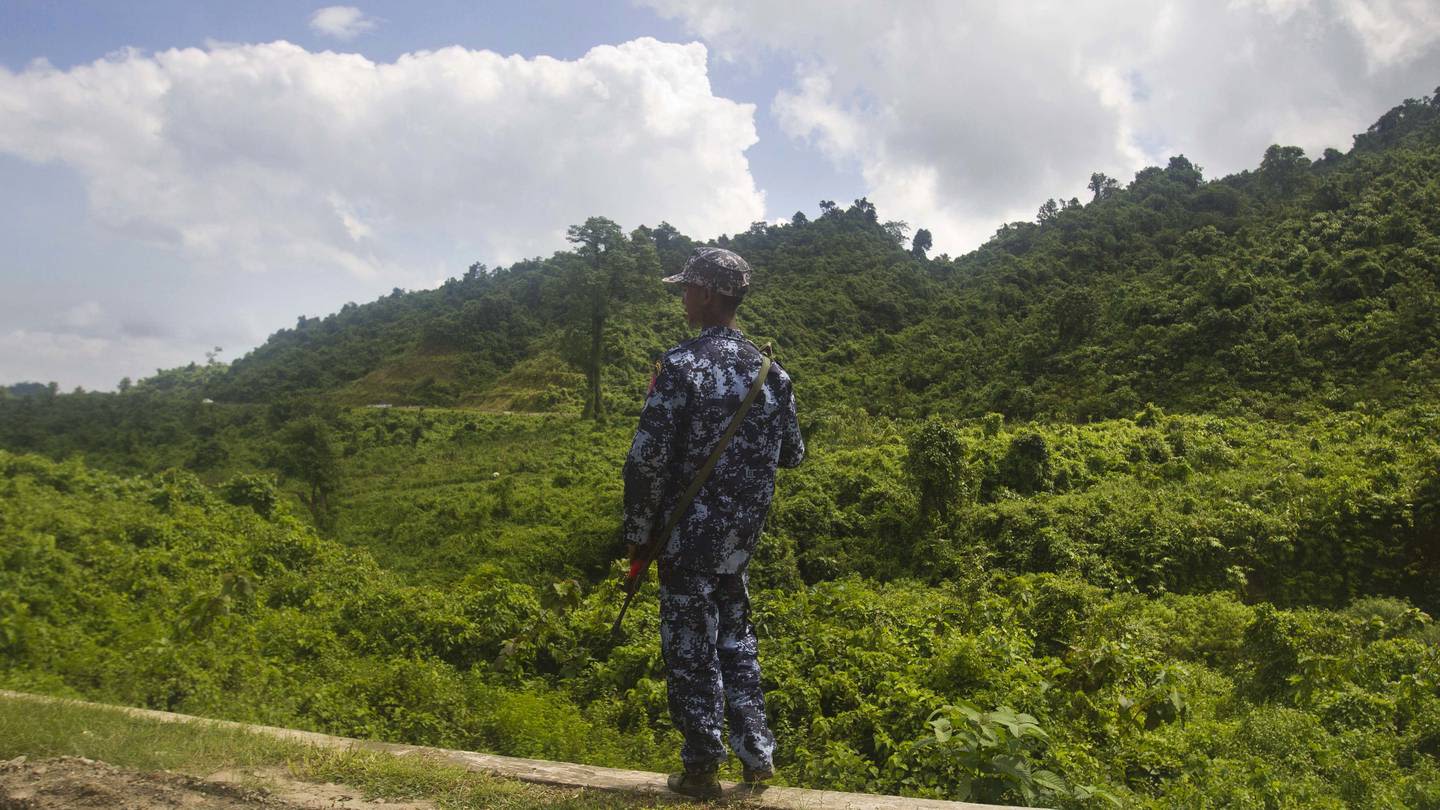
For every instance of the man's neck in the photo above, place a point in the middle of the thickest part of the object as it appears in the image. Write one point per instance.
(728, 324)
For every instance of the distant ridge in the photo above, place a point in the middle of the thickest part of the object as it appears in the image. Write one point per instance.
(1301, 281)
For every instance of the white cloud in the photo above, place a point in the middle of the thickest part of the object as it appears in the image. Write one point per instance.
(272, 158)
(960, 116)
(96, 363)
(82, 315)
(1394, 31)
(341, 22)
(243, 185)
(810, 112)
(1280, 9)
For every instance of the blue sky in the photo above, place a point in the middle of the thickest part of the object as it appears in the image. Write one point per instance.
(178, 176)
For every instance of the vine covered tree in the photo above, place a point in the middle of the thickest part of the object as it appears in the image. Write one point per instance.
(934, 461)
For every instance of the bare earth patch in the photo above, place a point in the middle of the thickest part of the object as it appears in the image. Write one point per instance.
(76, 782)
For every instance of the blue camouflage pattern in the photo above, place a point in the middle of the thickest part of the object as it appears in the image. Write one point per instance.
(713, 668)
(699, 386)
(708, 642)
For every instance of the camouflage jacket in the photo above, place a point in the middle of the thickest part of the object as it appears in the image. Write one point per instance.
(699, 386)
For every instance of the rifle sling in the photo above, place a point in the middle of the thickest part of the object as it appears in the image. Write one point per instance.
(657, 541)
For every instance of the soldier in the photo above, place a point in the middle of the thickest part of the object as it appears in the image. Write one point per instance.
(708, 642)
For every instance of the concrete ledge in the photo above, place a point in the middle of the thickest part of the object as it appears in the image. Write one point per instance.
(560, 774)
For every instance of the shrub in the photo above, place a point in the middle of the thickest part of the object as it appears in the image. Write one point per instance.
(251, 490)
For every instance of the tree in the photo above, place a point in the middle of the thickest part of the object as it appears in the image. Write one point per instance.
(1283, 167)
(1102, 185)
(1183, 171)
(125, 385)
(1026, 466)
(609, 270)
(934, 460)
(1424, 545)
(896, 229)
(1048, 211)
(307, 452)
(672, 247)
(1075, 313)
(921, 243)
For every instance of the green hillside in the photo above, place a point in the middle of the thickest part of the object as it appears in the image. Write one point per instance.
(1136, 505)
(1299, 281)
(1136, 612)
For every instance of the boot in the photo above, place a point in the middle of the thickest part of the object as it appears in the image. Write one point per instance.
(696, 784)
(756, 776)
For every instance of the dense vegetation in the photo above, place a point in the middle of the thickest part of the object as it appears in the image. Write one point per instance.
(1138, 504)
(485, 622)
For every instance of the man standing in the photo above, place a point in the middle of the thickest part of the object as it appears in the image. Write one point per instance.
(709, 645)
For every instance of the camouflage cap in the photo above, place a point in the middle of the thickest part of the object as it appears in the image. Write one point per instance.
(715, 269)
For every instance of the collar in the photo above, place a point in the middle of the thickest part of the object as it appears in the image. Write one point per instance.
(721, 332)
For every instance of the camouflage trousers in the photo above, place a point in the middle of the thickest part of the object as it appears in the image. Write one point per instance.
(712, 669)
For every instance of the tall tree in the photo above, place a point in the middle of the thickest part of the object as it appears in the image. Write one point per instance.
(1182, 170)
(609, 270)
(1103, 185)
(922, 243)
(307, 452)
(1283, 167)
(896, 229)
(672, 246)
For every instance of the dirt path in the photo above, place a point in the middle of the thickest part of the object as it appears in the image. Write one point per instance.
(75, 782)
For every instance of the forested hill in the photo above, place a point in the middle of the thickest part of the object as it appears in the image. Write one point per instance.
(1302, 281)
(1191, 605)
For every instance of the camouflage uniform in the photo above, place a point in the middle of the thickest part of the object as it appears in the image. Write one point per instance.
(705, 634)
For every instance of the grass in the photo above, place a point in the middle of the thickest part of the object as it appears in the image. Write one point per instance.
(45, 730)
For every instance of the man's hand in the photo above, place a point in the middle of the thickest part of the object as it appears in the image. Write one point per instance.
(637, 561)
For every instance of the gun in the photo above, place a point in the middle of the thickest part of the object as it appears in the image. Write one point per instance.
(640, 561)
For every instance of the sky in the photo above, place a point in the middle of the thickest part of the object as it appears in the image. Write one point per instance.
(181, 177)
